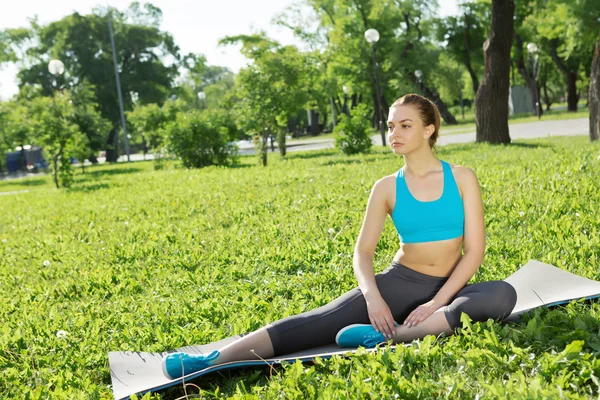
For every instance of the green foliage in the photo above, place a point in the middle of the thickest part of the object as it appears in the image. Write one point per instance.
(53, 119)
(272, 89)
(199, 142)
(353, 134)
(81, 42)
(141, 260)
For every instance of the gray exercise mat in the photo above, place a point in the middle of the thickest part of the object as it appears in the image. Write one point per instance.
(537, 284)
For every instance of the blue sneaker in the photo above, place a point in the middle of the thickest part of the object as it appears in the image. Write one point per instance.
(356, 335)
(176, 365)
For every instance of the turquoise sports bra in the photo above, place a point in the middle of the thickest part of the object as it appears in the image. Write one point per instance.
(427, 221)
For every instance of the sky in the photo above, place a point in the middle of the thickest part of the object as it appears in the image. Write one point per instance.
(196, 25)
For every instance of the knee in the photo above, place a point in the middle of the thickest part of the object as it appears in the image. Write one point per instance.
(506, 298)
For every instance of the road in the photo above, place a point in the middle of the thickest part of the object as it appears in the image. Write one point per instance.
(528, 130)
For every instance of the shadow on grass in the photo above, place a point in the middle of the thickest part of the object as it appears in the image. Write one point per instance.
(26, 182)
(452, 148)
(354, 161)
(108, 172)
(226, 381)
(89, 188)
(311, 154)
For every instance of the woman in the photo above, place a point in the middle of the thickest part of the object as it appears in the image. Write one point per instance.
(436, 207)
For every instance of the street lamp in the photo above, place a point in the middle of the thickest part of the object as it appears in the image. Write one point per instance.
(535, 71)
(372, 37)
(56, 68)
(419, 75)
(202, 96)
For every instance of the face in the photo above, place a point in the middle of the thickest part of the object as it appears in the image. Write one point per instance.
(406, 130)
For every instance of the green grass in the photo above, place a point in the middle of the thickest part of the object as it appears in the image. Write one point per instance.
(141, 260)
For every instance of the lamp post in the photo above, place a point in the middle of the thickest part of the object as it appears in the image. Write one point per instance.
(372, 37)
(419, 75)
(118, 80)
(56, 68)
(533, 58)
(202, 96)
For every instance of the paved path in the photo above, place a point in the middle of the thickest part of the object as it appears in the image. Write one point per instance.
(527, 130)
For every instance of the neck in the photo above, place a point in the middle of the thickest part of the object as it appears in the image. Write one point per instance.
(421, 164)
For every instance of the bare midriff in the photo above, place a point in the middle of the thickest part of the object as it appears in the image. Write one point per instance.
(437, 258)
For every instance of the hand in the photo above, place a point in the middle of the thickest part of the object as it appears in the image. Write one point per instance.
(421, 313)
(380, 315)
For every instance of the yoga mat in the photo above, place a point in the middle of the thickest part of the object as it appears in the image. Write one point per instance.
(537, 284)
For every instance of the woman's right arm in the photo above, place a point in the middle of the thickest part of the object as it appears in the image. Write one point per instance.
(370, 232)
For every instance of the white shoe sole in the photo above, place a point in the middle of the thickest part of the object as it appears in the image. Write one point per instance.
(163, 365)
(345, 329)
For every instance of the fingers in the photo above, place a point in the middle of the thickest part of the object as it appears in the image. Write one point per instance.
(389, 325)
(416, 316)
(385, 325)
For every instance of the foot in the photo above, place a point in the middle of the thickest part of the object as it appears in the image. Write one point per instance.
(359, 335)
(176, 365)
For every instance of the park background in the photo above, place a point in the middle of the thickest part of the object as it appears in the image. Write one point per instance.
(204, 241)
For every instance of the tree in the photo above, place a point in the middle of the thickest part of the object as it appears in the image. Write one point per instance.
(464, 35)
(594, 95)
(82, 43)
(491, 102)
(271, 89)
(53, 121)
(567, 31)
(405, 45)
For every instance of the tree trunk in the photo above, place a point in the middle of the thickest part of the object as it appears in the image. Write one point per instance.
(570, 75)
(111, 146)
(547, 98)
(529, 78)
(333, 114)
(572, 97)
(314, 123)
(444, 112)
(22, 159)
(265, 138)
(468, 55)
(491, 102)
(594, 95)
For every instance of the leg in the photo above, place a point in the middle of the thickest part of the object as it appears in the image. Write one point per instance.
(481, 301)
(318, 327)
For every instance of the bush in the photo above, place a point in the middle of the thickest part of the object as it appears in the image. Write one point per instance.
(199, 142)
(352, 135)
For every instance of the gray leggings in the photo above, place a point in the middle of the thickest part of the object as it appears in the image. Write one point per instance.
(403, 289)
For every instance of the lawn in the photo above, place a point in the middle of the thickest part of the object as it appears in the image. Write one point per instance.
(141, 260)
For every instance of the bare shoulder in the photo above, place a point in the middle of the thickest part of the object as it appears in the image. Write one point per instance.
(464, 176)
(386, 187)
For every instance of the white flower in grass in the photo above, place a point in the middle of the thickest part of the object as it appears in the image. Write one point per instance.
(126, 223)
(46, 263)
(577, 215)
(521, 213)
(4, 240)
(61, 334)
(331, 231)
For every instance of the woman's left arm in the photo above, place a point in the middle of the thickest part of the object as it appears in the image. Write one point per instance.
(474, 244)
